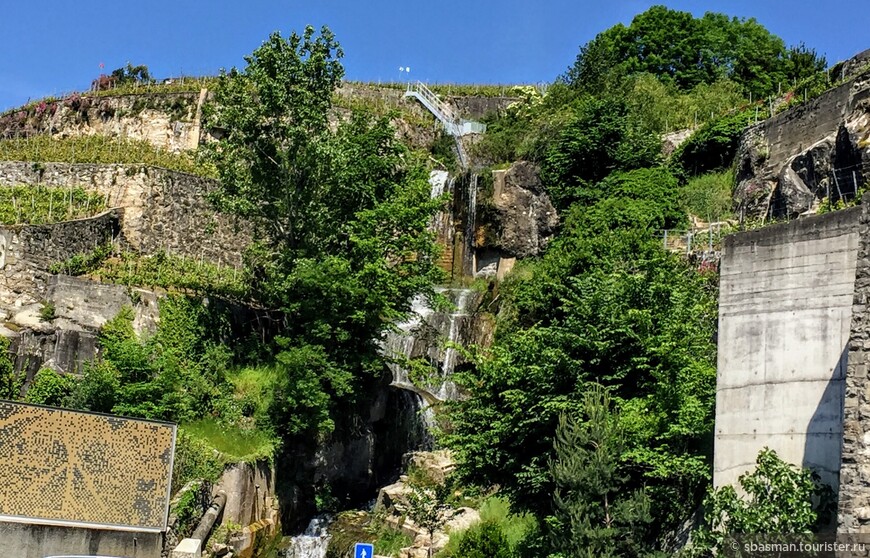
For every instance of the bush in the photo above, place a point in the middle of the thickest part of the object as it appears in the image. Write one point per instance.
(11, 382)
(97, 390)
(708, 196)
(499, 531)
(47, 312)
(194, 459)
(484, 540)
(49, 388)
(712, 147)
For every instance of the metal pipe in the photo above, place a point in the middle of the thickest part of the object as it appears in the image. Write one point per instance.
(210, 516)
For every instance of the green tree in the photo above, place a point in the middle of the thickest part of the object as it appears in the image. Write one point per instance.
(777, 498)
(132, 74)
(605, 305)
(97, 390)
(685, 51)
(427, 508)
(341, 211)
(596, 512)
(600, 138)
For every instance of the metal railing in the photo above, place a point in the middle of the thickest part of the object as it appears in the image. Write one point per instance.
(446, 114)
(706, 240)
(439, 108)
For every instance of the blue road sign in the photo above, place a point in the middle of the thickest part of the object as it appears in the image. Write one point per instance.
(363, 550)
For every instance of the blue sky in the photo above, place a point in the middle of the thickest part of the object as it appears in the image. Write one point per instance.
(52, 47)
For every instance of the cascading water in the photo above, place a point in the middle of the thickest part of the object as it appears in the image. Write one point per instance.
(432, 335)
(313, 542)
(442, 224)
(468, 267)
(438, 180)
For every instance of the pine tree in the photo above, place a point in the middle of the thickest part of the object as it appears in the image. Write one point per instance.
(595, 513)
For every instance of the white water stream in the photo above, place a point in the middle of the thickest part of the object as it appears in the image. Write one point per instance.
(313, 542)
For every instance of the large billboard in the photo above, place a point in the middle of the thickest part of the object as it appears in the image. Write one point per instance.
(62, 467)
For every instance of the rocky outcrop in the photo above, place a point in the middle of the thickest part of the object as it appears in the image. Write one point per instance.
(392, 501)
(523, 218)
(851, 67)
(671, 141)
(67, 335)
(353, 462)
(166, 120)
(821, 149)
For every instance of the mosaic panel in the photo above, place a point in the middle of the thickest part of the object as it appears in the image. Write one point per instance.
(74, 467)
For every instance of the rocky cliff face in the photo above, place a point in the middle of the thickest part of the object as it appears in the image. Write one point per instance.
(515, 219)
(525, 217)
(787, 164)
(166, 120)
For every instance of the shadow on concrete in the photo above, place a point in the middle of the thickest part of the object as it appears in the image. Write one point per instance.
(824, 433)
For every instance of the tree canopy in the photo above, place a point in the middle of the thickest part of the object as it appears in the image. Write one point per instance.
(687, 51)
(341, 212)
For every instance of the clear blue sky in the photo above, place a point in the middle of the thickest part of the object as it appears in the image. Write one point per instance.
(51, 47)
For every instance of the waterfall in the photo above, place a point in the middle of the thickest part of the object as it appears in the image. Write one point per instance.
(448, 362)
(313, 542)
(468, 267)
(442, 224)
(402, 343)
(438, 180)
(427, 333)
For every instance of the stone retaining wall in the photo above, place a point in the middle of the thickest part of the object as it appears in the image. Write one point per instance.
(163, 209)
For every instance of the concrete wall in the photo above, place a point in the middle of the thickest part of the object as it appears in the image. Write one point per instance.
(785, 314)
(20, 540)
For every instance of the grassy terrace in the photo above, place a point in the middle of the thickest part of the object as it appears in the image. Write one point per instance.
(166, 271)
(27, 204)
(100, 150)
(233, 442)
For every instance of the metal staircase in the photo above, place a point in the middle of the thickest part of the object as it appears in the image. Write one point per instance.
(449, 118)
(442, 111)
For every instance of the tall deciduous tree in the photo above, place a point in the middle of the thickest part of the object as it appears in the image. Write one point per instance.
(686, 51)
(341, 212)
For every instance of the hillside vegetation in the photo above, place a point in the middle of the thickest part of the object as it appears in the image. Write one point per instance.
(594, 409)
(591, 415)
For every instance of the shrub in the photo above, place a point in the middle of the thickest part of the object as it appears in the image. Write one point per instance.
(712, 147)
(47, 312)
(49, 388)
(484, 540)
(97, 390)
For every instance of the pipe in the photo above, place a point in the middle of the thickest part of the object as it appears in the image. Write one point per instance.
(210, 516)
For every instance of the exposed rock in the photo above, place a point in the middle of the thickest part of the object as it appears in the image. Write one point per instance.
(525, 218)
(673, 140)
(852, 67)
(436, 465)
(166, 120)
(817, 150)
